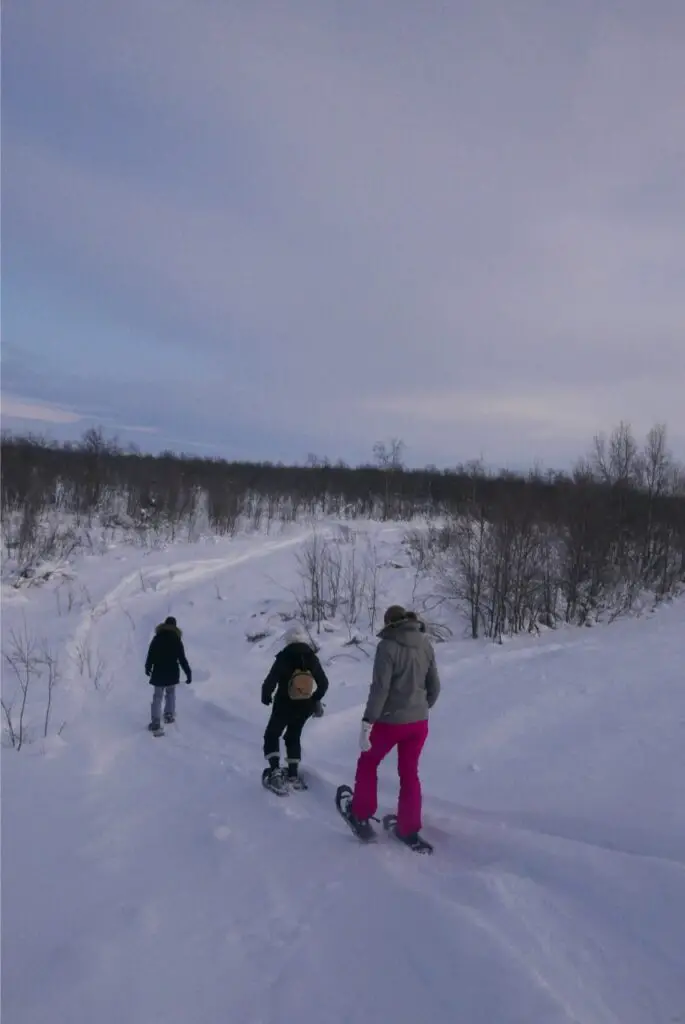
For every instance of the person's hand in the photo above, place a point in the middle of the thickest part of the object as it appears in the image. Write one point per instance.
(365, 737)
(266, 699)
(189, 680)
(318, 709)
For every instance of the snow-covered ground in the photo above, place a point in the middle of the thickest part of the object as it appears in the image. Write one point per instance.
(150, 879)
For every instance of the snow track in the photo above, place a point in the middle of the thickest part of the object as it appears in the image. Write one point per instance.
(154, 879)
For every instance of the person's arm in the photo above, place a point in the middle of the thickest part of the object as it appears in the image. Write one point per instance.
(432, 681)
(183, 661)
(380, 683)
(150, 660)
(271, 681)
(320, 678)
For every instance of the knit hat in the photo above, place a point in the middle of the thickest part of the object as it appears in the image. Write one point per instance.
(170, 621)
(296, 635)
(395, 613)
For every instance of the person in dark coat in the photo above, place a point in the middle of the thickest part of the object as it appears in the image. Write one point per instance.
(166, 656)
(296, 684)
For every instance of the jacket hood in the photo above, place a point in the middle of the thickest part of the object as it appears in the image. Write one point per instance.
(300, 647)
(164, 627)
(407, 632)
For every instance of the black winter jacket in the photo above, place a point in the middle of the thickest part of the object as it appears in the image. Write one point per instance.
(293, 657)
(166, 656)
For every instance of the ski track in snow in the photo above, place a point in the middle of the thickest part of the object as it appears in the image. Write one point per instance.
(153, 879)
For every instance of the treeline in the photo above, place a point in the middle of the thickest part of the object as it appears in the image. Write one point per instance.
(513, 550)
(574, 549)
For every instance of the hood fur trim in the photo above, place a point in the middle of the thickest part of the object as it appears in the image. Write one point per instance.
(163, 627)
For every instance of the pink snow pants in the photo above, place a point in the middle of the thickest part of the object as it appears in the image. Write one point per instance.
(409, 740)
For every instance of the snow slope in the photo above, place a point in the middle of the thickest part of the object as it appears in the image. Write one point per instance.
(150, 880)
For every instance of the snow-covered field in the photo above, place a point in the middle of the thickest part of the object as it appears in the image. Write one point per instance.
(150, 879)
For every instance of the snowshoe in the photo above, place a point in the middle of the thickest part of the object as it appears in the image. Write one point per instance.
(156, 728)
(296, 782)
(169, 718)
(363, 830)
(273, 779)
(415, 842)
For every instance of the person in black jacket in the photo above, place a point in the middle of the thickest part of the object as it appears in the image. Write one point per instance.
(299, 683)
(165, 657)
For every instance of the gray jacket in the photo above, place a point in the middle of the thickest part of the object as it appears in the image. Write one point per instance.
(405, 678)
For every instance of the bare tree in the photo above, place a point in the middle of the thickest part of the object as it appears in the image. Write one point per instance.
(656, 465)
(462, 567)
(7, 706)
(23, 658)
(354, 589)
(616, 460)
(332, 575)
(51, 663)
(656, 461)
(312, 570)
(90, 663)
(372, 570)
(388, 457)
(422, 546)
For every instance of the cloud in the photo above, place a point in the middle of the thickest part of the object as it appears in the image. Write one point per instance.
(26, 409)
(332, 223)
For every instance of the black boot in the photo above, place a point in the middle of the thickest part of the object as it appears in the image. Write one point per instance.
(363, 829)
(273, 779)
(414, 841)
(295, 780)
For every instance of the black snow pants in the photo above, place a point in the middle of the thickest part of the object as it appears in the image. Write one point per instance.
(291, 720)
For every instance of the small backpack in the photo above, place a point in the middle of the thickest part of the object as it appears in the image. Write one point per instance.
(301, 684)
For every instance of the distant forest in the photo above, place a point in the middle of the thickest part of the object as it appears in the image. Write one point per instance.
(513, 550)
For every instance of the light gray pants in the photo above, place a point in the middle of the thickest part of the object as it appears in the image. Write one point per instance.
(169, 702)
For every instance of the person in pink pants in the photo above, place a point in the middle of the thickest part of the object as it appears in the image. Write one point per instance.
(405, 686)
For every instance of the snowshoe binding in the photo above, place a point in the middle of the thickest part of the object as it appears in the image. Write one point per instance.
(273, 779)
(296, 783)
(363, 830)
(156, 728)
(415, 842)
(169, 718)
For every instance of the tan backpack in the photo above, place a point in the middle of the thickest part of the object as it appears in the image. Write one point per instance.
(301, 685)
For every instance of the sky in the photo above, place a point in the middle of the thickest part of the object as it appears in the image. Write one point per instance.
(264, 229)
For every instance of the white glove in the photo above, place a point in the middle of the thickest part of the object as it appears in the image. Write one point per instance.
(365, 737)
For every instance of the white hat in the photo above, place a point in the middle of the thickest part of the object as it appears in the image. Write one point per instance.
(296, 635)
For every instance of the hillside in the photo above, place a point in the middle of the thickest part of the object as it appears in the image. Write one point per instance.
(150, 879)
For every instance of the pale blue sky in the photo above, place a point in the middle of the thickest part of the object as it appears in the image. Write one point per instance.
(260, 229)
